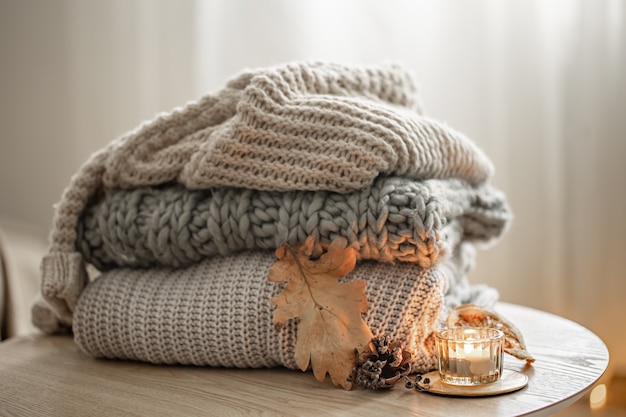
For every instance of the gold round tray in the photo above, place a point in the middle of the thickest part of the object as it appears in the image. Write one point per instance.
(509, 381)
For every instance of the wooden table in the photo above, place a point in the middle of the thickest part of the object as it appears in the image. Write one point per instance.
(50, 376)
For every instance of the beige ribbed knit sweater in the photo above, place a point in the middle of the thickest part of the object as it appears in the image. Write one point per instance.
(217, 312)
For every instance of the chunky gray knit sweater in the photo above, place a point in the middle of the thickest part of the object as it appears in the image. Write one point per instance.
(393, 219)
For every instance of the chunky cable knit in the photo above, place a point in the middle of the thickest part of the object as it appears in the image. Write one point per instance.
(218, 312)
(394, 219)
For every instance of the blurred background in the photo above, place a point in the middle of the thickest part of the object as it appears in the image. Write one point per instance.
(539, 85)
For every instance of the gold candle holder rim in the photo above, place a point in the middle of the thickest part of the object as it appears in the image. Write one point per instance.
(497, 334)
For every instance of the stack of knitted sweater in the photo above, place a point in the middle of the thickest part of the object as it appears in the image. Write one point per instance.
(177, 221)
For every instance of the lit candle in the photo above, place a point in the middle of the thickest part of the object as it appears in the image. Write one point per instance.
(470, 361)
(469, 356)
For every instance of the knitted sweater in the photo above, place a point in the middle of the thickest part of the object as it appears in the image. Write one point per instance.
(217, 312)
(393, 219)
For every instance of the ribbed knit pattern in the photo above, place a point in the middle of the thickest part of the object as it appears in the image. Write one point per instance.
(218, 312)
(394, 219)
(302, 126)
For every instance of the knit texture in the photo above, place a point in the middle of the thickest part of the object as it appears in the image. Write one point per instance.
(393, 219)
(303, 126)
(296, 127)
(218, 312)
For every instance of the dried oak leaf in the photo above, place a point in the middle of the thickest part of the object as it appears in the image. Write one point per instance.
(330, 324)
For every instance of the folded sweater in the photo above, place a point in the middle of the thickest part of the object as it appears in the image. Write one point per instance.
(217, 312)
(393, 219)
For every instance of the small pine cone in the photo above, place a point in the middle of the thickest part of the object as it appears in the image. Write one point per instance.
(382, 366)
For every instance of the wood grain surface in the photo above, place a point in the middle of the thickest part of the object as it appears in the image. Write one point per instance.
(50, 376)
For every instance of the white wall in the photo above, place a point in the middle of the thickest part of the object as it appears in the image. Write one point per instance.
(35, 133)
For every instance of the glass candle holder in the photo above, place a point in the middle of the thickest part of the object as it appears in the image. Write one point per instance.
(470, 355)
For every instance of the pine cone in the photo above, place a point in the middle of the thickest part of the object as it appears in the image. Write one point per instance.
(384, 365)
